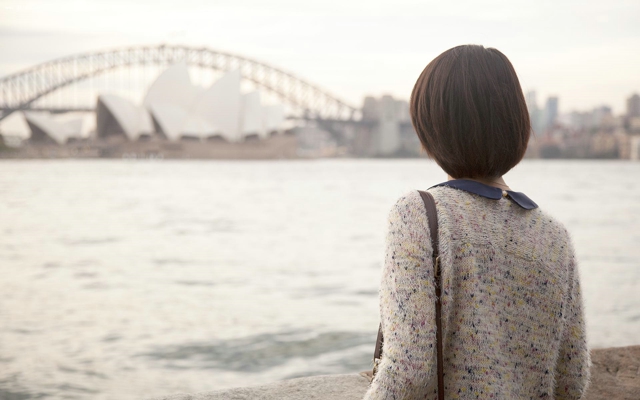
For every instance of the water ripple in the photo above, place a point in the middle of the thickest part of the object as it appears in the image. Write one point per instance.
(257, 353)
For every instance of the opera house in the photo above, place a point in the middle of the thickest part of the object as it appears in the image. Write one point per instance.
(175, 110)
(48, 130)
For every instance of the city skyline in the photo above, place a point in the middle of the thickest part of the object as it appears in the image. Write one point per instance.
(577, 51)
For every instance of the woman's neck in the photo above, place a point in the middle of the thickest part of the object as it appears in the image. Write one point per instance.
(495, 182)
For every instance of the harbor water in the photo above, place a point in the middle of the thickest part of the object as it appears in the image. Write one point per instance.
(124, 279)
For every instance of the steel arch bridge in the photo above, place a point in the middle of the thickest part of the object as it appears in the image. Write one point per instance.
(20, 90)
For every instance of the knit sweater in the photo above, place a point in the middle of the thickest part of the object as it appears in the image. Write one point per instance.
(512, 315)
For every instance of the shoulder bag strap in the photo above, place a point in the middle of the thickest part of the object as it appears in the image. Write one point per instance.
(377, 353)
(432, 216)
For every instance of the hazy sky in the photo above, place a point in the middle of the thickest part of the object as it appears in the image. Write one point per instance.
(586, 52)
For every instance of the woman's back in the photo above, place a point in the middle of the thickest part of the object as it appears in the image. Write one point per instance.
(512, 318)
(511, 306)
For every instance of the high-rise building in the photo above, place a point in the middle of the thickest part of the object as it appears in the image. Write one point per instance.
(402, 111)
(388, 126)
(550, 112)
(384, 117)
(370, 109)
(601, 116)
(633, 106)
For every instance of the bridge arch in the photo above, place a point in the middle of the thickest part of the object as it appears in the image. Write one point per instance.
(18, 91)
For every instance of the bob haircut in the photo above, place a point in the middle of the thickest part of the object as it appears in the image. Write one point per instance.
(469, 112)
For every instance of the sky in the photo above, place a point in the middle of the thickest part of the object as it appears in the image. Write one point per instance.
(585, 52)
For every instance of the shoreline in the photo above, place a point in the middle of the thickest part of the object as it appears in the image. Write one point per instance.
(281, 146)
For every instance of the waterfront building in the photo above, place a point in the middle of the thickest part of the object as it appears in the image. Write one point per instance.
(632, 119)
(272, 119)
(315, 142)
(384, 120)
(602, 117)
(370, 109)
(402, 111)
(579, 120)
(117, 116)
(634, 147)
(46, 129)
(251, 124)
(550, 112)
(633, 106)
(388, 134)
(169, 100)
(175, 109)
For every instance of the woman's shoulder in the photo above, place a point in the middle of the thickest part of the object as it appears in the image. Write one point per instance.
(554, 233)
(407, 199)
(409, 209)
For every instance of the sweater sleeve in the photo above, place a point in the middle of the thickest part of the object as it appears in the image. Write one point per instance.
(407, 305)
(574, 361)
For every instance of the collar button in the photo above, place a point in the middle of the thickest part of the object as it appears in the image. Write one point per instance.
(504, 193)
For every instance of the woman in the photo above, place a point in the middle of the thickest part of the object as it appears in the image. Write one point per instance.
(512, 316)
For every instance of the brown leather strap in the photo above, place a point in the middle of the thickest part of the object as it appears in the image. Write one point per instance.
(377, 353)
(432, 216)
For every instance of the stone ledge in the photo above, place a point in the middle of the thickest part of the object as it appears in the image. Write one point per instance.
(615, 375)
(334, 387)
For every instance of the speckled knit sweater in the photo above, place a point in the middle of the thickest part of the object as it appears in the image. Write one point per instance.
(512, 316)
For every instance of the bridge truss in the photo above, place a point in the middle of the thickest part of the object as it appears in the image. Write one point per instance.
(19, 91)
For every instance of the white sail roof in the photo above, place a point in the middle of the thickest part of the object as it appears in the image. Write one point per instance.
(252, 114)
(58, 131)
(133, 120)
(172, 86)
(170, 98)
(145, 123)
(176, 108)
(197, 126)
(170, 118)
(219, 105)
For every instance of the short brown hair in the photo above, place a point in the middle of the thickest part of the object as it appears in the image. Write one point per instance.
(469, 112)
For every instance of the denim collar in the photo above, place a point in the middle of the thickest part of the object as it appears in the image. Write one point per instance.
(490, 192)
